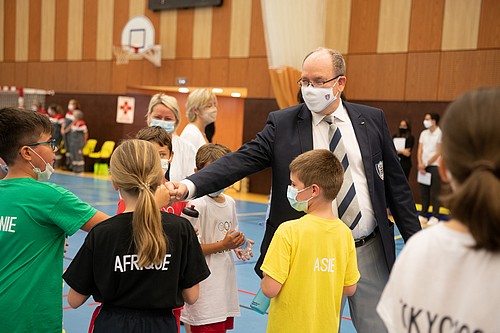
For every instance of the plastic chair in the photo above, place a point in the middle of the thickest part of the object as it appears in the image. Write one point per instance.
(102, 157)
(89, 147)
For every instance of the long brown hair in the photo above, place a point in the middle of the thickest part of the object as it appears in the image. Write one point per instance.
(471, 152)
(135, 168)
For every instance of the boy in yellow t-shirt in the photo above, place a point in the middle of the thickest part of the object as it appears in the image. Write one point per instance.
(311, 261)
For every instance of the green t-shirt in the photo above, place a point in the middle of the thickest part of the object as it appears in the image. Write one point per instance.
(34, 220)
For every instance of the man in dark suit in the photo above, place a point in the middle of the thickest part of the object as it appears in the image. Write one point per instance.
(379, 181)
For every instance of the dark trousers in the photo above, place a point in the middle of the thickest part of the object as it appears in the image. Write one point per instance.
(430, 194)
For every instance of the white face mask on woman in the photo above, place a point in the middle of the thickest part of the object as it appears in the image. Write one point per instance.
(427, 123)
(318, 99)
(167, 125)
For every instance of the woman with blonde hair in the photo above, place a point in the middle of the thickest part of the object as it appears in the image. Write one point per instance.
(124, 261)
(201, 111)
(163, 111)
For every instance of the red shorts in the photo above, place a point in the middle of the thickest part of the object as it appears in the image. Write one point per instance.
(220, 327)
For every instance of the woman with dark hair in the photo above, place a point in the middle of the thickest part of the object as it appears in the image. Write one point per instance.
(404, 154)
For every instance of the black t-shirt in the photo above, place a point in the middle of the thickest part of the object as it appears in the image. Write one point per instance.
(106, 266)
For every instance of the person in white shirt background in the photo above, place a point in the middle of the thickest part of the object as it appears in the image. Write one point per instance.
(163, 111)
(201, 111)
(429, 151)
(446, 277)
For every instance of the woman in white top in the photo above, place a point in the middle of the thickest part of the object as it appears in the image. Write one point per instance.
(201, 108)
(446, 278)
(163, 111)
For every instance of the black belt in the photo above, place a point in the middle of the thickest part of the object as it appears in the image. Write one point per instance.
(363, 240)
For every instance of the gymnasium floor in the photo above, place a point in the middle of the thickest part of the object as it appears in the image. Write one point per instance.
(251, 210)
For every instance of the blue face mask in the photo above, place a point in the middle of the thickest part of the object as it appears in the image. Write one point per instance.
(291, 194)
(216, 194)
(167, 125)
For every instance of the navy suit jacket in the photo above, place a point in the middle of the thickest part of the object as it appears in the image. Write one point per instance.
(287, 134)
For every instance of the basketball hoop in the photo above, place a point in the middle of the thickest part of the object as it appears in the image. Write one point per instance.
(122, 55)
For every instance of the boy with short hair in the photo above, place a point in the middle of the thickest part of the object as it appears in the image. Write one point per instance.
(311, 261)
(35, 218)
(218, 303)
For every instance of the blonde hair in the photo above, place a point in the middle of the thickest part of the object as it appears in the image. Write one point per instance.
(197, 100)
(169, 102)
(135, 168)
(470, 150)
(320, 167)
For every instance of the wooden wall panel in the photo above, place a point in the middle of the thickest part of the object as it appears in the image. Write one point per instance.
(120, 18)
(238, 73)
(35, 23)
(221, 24)
(257, 40)
(393, 26)
(219, 72)
(10, 31)
(7, 73)
(184, 68)
(150, 74)
(154, 17)
(75, 30)
(201, 73)
(57, 74)
(166, 77)
(2, 30)
(259, 84)
(118, 78)
(168, 33)
(48, 28)
(184, 44)
(89, 31)
(103, 77)
(61, 37)
(364, 26)
(426, 25)
(22, 30)
(337, 35)
(422, 76)
(477, 69)
(134, 72)
(104, 38)
(21, 74)
(136, 8)
(202, 33)
(87, 72)
(239, 39)
(489, 25)
(461, 25)
(378, 77)
(34, 77)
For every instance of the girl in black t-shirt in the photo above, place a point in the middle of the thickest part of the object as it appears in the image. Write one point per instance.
(142, 263)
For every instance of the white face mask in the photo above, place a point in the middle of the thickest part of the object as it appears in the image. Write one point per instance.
(427, 123)
(167, 125)
(164, 164)
(71, 107)
(42, 176)
(318, 99)
(209, 116)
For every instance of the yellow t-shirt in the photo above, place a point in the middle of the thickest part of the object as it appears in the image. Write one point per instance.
(313, 258)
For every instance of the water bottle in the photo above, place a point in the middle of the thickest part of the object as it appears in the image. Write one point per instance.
(245, 248)
(260, 303)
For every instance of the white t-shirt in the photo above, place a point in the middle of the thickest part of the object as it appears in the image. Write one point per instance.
(192, 134)
(440, 284)
(218, 298)
(183, 163)
(429, 141)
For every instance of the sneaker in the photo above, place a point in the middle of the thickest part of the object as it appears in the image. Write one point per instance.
(422, 219)
(433, 220)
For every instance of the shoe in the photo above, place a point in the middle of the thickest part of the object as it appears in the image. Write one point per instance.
(433, 220)
(422, 219)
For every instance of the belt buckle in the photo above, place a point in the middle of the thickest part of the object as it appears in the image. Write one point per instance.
(360, 242)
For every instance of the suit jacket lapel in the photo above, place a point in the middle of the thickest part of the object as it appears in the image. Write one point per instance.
(361, 132)
(304, 127)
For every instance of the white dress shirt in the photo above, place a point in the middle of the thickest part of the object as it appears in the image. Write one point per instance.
(320, 141)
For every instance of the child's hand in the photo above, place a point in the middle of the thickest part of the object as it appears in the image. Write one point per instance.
(244, 255)
(233, 239)
(162, 196)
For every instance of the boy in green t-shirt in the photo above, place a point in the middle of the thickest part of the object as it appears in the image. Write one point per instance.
(311, 261)
(35, 218)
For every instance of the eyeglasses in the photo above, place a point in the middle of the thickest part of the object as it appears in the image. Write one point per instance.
(316, 84)
(51, 143)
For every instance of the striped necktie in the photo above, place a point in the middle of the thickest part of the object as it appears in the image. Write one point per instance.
(347, 202)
